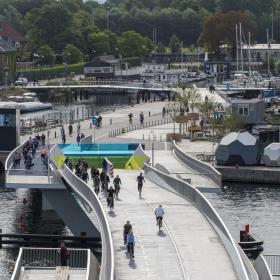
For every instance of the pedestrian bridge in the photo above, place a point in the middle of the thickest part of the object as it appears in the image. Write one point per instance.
(191, 228)
(111, 85)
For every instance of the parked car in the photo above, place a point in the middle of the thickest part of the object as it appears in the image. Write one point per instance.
(21, 81)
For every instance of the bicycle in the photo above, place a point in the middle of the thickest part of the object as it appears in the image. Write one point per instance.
(96, 189)
(130, 250)
(117, 191)
(159, 222)
(111, 203)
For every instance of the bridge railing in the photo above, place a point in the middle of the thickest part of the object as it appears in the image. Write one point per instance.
(89, 196)
(132, 127)
(49, 257)
(198, 166)
(273, 262)
(200, 202)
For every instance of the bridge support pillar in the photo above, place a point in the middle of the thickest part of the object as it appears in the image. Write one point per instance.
(70, 211)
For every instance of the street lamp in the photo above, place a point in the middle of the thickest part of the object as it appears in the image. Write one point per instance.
(153, 148)
(107, 16)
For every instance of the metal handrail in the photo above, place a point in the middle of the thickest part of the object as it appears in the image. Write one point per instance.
(49, 257)
(89, 196)
(201, 203)
(273, 261)
(119, 131)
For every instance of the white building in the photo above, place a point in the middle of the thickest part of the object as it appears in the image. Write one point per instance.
(259, 52)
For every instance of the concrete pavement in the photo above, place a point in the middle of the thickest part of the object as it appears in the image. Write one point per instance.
(179, 251)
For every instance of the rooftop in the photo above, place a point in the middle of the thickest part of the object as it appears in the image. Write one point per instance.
(6, 47)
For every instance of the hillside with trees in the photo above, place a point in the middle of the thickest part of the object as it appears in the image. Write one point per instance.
(75, 30)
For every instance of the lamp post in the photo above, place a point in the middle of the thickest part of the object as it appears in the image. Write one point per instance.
(107, 16)
(153, 148)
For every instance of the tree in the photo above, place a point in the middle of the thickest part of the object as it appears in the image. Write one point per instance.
(232, 123)
(47, 24)
(98, 43)
(207, 106)
(175, 44)
(220, 29)
(160, 48)
(133, 44)
(71, 54)
(46, 55)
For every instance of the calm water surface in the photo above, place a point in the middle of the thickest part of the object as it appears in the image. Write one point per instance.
(257, 206)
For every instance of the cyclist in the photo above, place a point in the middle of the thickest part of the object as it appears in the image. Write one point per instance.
(126, 228)
(110, 198)
(96, 183)
(159, 212)
(130, 244)
(117, 182)
(140, 179)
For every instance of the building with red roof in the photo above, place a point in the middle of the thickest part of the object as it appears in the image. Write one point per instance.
(8, 33)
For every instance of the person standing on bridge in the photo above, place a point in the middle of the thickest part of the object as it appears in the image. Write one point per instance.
(63, 254)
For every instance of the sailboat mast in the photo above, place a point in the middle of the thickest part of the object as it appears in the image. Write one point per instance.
(249, 35)
(237, 49)
(241, 45)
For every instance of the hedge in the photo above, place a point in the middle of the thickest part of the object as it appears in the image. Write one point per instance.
(56, 71)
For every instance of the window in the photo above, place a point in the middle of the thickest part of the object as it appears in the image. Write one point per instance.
(243, 110)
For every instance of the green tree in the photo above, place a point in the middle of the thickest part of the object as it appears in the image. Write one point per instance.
(98, 43)
(46, 55)
(133, 44)
(160, 48)
(71, 54)
(175, 44)
(232, 123)
(49, 25)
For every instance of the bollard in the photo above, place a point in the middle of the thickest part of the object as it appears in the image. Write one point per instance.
(160, 139)
(0, 238)
(143, 136)
(90, 125)
(149, 137)
(55, 134)
(149, 113)
(111, 121)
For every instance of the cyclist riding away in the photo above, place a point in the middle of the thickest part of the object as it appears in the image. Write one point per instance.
(159, 212)
(126, 228)
(117, 182)
(110, 198)
(96, 183)
(140, 179)
(130, 244)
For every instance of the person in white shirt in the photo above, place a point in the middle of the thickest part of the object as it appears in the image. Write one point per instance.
(159, 212)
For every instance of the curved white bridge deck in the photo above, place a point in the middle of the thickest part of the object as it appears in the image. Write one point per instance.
(178, 169)
(187, 248)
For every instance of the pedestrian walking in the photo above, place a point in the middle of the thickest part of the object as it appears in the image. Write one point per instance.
(78, 139)
(141, 116)
(70, 129)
